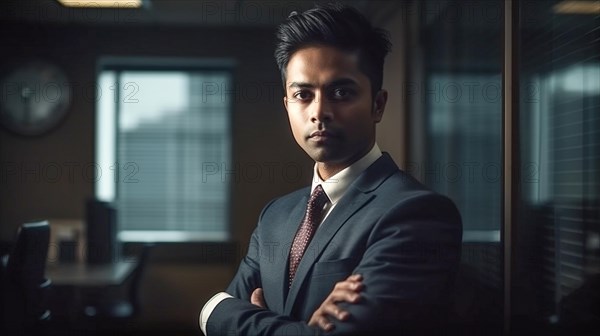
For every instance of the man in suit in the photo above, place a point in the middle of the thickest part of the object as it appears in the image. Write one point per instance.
(366, 248)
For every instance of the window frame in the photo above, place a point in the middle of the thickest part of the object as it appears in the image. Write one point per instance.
(192, 250)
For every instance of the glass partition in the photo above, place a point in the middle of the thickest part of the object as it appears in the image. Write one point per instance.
(455, 104)
(557, 270)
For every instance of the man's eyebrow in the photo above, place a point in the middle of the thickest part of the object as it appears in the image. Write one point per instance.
(300, 85)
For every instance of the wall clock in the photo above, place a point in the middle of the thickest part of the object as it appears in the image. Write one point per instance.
(35, 98)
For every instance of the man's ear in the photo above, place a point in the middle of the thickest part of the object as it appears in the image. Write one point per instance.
(285, 102)
(379, 104)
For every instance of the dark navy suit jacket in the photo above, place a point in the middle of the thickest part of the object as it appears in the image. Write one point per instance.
(403, 238)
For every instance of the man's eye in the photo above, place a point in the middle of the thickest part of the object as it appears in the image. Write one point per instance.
(341, 93)
(302, 95)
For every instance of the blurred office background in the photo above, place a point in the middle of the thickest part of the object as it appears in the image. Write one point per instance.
(175, 117)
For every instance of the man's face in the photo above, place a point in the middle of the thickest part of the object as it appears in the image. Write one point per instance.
(329, 105)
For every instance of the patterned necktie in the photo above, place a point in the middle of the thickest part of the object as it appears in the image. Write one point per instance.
(312, 218)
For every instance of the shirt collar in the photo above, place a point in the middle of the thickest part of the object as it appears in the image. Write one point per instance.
(336, 186)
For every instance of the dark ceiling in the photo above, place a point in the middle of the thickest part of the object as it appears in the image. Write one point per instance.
(175, 12)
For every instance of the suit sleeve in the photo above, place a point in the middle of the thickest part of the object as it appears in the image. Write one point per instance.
(237, 316)
(240, 317)
(408, 267)
(411, 255)
(247, 277)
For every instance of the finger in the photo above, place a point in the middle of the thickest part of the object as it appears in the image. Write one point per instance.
(346, 283)
(355, 277)
(253, 298)
(325, 324)
(333, 310)
(349, 281)
(349, 286)
(257, 298)
(356, 286)
(347, 295)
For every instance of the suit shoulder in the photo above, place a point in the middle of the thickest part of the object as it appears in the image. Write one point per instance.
(405, 186)
(294, 196)
(404, 191)
(287, 201)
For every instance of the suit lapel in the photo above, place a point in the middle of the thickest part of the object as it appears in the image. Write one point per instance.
(284, 238)
(358, 195)
(336, 219)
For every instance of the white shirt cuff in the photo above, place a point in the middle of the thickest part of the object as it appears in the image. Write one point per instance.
(208, 308)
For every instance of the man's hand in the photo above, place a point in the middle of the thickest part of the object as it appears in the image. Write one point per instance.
(348, 291)
(257, 298)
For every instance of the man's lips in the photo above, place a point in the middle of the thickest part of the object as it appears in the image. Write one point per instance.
(322, 135)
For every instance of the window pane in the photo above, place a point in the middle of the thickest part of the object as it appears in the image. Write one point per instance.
(464, 149)
(455, 102)
(558, 257)
(106, 135)
(171, 128)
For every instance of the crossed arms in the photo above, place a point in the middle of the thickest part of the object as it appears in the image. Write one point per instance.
(404, 270)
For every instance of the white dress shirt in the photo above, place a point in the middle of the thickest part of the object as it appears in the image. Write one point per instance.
(335, 187)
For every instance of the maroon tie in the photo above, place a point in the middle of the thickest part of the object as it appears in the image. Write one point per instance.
(312, 218)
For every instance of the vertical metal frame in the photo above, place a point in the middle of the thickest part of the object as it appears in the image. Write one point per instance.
(510, 90)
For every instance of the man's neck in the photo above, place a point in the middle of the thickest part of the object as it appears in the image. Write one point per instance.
(329, 169)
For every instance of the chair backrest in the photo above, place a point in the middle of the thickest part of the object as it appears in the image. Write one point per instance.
(27, 261)
(136, 277)
(24, 283)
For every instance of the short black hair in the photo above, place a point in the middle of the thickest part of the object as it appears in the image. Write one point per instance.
(339, 26)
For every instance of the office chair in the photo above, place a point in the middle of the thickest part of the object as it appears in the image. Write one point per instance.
(107, 309)
(23, 285)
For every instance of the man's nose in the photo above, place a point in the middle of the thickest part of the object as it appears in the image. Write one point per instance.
(320, 110)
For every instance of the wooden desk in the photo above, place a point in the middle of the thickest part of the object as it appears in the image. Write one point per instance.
(83, 275)
(76, 285)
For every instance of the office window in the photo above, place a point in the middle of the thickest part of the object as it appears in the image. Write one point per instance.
(464, 149)
(456, 124)
(159, 129)
(559, 213)
(457, 139)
